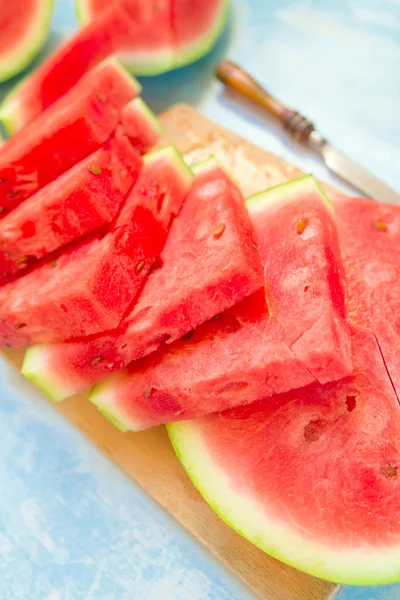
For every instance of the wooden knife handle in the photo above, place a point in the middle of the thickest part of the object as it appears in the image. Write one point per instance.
(239, 80)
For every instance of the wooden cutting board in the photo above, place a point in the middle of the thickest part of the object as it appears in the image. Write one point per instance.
(148, 457)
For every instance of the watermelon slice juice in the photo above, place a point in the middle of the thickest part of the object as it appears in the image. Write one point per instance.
(77, 125)
(311, 477)
(245, 355)
(81, 200)
(370, 241)
(89, 288)
(209, 263)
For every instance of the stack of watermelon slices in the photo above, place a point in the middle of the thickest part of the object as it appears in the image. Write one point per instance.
(251, 328)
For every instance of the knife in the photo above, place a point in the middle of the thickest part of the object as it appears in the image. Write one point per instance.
(304, 132)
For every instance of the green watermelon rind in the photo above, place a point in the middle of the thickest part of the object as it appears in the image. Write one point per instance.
(10, 110)
(257, 202)
(18, 61)
(360, 566)
(151, 119)
(157, 62)
(32, 369)
(106, 407)
(210, 163)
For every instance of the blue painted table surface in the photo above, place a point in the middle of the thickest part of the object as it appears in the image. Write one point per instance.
(72, 526)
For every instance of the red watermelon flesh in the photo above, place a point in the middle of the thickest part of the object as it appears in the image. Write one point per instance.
(205, 269)
(65, 67)
(193, 23)
(370, 242)
(140, 125)
(304, 276)
(311, 477)
(81, 200)
(91, 286)
(233, 360)
(220, 368)
(77, 125)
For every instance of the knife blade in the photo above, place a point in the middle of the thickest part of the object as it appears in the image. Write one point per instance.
(304, 132)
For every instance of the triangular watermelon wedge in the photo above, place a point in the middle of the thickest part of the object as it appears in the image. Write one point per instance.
(370, 242)
(89, 288)
(311, 477)
(77, 125)
(304, 275)
(209, 263)
(84, 198)
(249, 353)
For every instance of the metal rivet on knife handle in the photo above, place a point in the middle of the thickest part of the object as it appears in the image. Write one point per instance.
(237, 79)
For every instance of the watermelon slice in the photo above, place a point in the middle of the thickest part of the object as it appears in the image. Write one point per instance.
(91, 286)
(178, 32)
(63, 69)
(74, 128)
(140, 125)
(208, 264)
(242, 357)
(81, 200)
(24, 30)
(304, 277)
(370, 241)
(311, 477)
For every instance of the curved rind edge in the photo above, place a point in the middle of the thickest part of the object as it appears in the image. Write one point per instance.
(353, 568)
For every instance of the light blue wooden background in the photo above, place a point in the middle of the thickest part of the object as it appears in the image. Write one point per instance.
(72, 526)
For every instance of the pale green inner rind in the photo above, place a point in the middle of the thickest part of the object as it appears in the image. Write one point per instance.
(82, 11)
(124, 71)
(172, 155)
(36, 368)
(112, 419)
(364, 565)
(286, 192)
(20, 57)
(141, 106)
(210, 163)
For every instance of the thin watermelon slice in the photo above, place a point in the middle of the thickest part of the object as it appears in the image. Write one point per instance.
(78, 202)
(64, 68)
(245, 355)
(90, 287)
(304, 277)
(140, 125)
(75, 127)
(311, 477)
(24, 31)
(208, 264)
(370, 241)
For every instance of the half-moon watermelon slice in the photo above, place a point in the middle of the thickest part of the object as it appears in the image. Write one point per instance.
(24, 27)
(311, 477)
